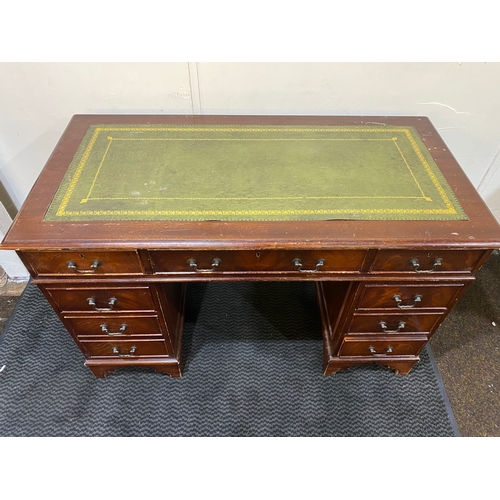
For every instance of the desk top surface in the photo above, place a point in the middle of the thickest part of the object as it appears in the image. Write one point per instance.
(398, 187)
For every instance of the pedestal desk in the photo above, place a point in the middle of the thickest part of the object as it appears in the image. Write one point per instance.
(113, 231)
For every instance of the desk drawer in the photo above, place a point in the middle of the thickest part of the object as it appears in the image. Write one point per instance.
(132, 348)
(112, 300)
(296, 262)
(426, 261)
(114, 326)
(408, 296)
(84, 263)
(393, 324)
(378, 348)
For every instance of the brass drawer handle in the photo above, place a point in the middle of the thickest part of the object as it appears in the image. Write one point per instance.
(416, 265)
(105, 329)
(298, 264)
(400, 327)
(416, 299)
(131, 352)
(93, 267)
(194, 266)
(373, 351)
(111, 303)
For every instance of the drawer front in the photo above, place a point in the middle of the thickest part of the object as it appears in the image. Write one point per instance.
(408, 296)
(296, 262)
(114, 326)
(84, 263)
(102, 300)
(393, 324)
(126, 349)
(426, 261)
(380, 348)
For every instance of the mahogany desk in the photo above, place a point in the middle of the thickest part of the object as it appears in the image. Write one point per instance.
(118, 286)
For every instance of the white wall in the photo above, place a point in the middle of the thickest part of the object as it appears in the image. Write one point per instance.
(11, 263)
(38, 99)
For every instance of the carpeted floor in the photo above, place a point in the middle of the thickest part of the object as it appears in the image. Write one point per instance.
(252, 368)
(467, 351)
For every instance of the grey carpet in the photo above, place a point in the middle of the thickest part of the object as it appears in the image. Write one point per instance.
(252, 367)
(467, 351)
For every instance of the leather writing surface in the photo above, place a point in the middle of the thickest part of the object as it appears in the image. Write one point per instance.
(241, 172)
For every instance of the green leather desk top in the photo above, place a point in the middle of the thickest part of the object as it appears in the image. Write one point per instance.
(240, 172)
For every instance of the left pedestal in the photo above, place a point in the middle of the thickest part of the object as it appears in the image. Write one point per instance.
(120, 324)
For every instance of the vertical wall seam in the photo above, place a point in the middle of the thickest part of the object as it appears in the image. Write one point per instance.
(490, 172)
(194, 88)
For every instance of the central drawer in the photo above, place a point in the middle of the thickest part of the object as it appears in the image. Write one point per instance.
(110, 299)
(232, 261)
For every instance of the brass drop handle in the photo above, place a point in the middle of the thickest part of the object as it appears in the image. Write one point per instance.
(93, 267)
(105, 329)
(111, 303)
(400, 327)
(131, 352)
(416, 300)
(194, 266)
(373, 351)
(298, 264)
(416, 265)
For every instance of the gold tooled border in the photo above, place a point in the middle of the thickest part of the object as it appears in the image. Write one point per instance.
(61, 211)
